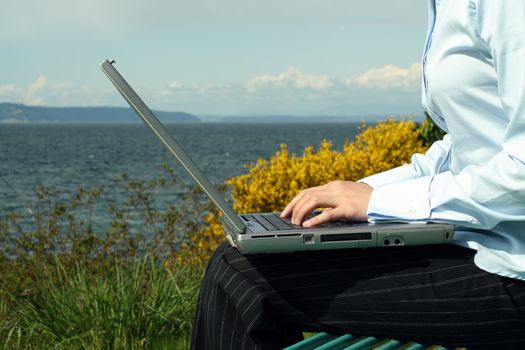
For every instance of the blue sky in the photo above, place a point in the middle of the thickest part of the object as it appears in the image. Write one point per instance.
(208, 57)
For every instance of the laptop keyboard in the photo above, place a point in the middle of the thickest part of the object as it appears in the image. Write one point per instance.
(273, 222)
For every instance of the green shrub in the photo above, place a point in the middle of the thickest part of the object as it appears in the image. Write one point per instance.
(140, 306)
(430, 132)
(65, 285)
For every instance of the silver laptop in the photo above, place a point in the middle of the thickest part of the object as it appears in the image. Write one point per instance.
(268, 232)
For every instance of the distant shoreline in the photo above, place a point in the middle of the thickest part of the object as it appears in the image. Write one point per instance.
(12, 113)
(19, 113)
(138, 122)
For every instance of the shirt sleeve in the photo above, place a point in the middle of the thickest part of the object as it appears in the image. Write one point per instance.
(432, 162)
(479, 196)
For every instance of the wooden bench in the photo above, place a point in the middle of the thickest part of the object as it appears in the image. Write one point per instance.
(324, 341)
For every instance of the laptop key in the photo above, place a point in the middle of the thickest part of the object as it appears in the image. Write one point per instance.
(265, 223)
(281, 224)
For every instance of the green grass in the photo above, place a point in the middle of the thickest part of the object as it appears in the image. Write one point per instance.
(66, 284)
(141, 306)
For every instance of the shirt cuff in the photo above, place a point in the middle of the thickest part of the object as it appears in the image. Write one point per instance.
(399, 174)
(403, 201)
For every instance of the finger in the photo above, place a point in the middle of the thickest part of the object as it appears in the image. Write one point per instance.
(305, 207)
(325, 216)
(289, 208)
(299, 204)
(315, 197)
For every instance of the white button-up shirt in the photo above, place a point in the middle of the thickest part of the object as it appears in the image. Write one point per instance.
(474, 88)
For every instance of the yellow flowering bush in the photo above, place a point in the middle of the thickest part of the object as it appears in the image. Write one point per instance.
(201, 245)
(270, 184)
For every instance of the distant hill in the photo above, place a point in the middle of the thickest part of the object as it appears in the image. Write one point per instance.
(298, 119)
(19, 113)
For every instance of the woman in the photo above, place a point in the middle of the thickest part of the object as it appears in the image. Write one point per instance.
(471, 293)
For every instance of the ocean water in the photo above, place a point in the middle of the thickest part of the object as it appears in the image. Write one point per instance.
(65, 157)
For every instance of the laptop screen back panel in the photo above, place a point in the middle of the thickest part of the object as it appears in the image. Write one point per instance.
(171, 144)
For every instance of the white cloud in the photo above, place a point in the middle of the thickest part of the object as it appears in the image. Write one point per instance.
(45, 92)
(292, 78)
(176, 85)
(291, 91)
(188, 88)
(9, 90)
(32, 97)
(390, 77)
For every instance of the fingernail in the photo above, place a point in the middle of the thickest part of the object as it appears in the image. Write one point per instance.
(307, 223)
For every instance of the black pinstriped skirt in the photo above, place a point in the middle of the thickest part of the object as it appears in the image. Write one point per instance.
(428, 294)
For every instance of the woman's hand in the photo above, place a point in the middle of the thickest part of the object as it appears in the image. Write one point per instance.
(345, 200)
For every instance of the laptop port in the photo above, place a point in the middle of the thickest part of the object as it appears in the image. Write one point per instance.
(263, 236)
(343, 237)
(393, 241)
(308, 239)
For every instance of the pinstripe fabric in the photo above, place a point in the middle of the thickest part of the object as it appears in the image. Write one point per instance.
(428, 294)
